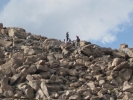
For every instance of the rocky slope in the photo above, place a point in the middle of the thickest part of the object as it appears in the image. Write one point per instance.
(36, 67)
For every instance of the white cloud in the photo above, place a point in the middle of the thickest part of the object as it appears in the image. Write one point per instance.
(90, 19)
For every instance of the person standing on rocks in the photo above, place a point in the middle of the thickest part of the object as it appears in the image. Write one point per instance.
(77, 41)
(67, 36)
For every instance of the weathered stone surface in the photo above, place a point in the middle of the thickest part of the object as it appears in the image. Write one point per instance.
(128, 52)
(106, 51)
(4, 84)
(73, 72)
(5, 43)
(119, 54)
(117, 61)
(1, 26)
(40, 95)
(4, 31)
(1, 54)
(121, 66)
(44, 88)
(126, 74)
(17, 33)
(58, 56)
(87, 50)
(31, 51)
(51, 43)
(18, 93)
(83, 43)
(36, 67)
(35, 84)
(14, 78)
(32, 69)
(127, 87)
(127, 97)
(9, 67)
(42, 67)
(122, 46)
(29, 92)
(74, 97)
(91, 85)
(8, 94)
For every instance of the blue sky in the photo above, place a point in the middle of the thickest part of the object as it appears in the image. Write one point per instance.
(3, 3)
(105, 23)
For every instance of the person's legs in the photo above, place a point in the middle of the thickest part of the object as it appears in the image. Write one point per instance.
(77, 43)
(67, 38)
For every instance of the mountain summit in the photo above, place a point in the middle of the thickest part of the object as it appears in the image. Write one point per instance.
(37, 67)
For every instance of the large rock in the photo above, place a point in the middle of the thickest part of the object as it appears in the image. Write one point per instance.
(127, 97)
(52, 61)
(14, 78)
(67, 46)
(18, 55)
(40, 95)
(74, 97)
(126, 74)
(91, 85)
(106, 51)
(9, 67)
(19, 33)
(5, 43)
(123, 46)
(32, 69)
(44, 89)
(119, 54)
(117, 61)
(26, 89)
(8, 94)
(29, 60)
(65, 52)
(83, 43)
(32, 51)
(58, 56)
(127, 87)
(35, 84)
(128, 52)
(1, 26)
(1, 54)
(121, 66)
(4, 84)
(87, 50)
(91, 50)
(4, 31)
(51, 43)
(42, 67)
(73, 72)
(29, 92)
(39, 68)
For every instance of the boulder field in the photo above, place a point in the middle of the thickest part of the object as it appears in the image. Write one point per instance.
(41, 68)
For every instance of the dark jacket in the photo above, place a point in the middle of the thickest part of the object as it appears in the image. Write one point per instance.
(78, 39)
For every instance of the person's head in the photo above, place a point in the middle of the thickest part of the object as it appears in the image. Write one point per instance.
(67, 32)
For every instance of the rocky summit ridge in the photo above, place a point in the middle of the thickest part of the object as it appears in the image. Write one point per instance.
(40, 68)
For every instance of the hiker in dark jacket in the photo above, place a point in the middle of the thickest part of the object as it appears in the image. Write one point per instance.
(77, 41)
(67, 36)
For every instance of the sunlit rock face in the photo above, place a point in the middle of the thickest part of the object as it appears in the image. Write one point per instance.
(37, 67)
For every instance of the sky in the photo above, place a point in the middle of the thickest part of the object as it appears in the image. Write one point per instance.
(107, 23)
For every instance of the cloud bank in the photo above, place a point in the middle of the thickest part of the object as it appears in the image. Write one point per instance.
(89, 19)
